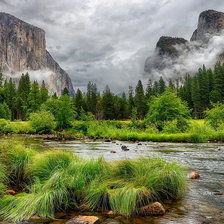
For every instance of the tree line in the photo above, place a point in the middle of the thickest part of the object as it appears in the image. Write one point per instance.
(199, 92)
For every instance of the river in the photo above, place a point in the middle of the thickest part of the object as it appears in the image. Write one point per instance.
(204, 199)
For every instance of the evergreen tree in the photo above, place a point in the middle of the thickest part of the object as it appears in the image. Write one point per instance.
(140, 101)
(34, 97)
(131, 102)
(162, 85)
(149, 90)
(9, 92)
(65, 92)
(108, 104)
(23, 95)
(43, 96)
(78, 102)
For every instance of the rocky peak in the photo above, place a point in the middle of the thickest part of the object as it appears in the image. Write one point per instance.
(210, 23)
(166, 45)
(23, 48)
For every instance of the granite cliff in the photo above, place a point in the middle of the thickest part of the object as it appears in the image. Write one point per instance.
(23, 48)
(174, 57)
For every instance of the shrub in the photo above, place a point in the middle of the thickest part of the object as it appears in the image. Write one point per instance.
(3, 125)
(168, 107)
(19, 127)
(215, 116)
(171, 127)
(43, 122)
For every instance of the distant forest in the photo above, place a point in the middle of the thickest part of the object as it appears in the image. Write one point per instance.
(199, 92)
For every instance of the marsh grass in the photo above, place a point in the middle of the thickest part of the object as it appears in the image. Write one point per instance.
(58, 180)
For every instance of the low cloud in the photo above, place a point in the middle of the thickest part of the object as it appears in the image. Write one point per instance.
(104, 41)
(192, 56)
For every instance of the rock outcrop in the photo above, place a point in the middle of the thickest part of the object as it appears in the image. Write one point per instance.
(23, 48)
(210, 23)
(165, 48)
(174, 57)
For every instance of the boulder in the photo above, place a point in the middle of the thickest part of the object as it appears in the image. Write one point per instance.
(84, 220)
(11, 192)
(113, 151)
(194, 175)
(124, 148)
(154, 208)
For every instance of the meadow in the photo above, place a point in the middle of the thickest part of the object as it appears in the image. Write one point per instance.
(198, 131)
(51, 181)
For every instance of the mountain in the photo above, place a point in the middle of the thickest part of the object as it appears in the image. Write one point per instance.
(23, 48)
(174, 56)
(210, 23)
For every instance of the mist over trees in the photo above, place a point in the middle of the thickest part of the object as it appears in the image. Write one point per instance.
(199, 92)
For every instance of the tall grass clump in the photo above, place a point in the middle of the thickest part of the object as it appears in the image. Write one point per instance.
(16, 157)
(3, 179)
(59, 180)
(135, 183)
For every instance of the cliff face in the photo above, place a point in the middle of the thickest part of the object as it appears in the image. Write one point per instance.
(165, 48)
(23, 48)
(177, 55)
(210, 23)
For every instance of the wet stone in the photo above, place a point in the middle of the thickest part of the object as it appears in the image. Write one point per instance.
(84, 220)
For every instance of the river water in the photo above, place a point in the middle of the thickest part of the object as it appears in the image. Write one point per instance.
(204, 200)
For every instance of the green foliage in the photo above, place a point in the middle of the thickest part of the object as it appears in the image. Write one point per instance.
(42, 122)
(57, 180)
(5, 112)
(3, 125)
(3, 179)
(171, 127)
(168, 107)
(19, 127)
(16, 157)
(62, 109)
(215, 116)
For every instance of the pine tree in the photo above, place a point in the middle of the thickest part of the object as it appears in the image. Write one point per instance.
(78, 102)
(34, 97)
(9, 92)
(140, 101)
(23, 95)
(131, 102)
(43, 96)
(149, 90)
(162, 85)
(108, 104)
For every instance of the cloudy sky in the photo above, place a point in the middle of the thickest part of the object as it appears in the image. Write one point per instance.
(107, 41)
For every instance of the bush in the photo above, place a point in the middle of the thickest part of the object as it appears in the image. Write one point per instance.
(19, 127)
(42, 121)
(168, 107)
(171, 127)
(215, 116)
(3, 125)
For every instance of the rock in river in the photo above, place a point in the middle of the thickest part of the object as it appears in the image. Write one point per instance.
(154, 208)
(194, 175)
(84, 220)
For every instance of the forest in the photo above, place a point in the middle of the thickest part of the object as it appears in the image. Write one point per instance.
(199, 92)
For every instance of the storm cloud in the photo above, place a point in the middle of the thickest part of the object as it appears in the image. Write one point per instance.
(107, 42)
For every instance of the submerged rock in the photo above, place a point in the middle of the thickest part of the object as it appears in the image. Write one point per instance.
(155, 208)
(194, 175)
(124, 148)
(11, 192)
(84, 220)
(113, 151)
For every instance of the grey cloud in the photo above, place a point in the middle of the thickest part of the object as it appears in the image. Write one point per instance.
(104, 41)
